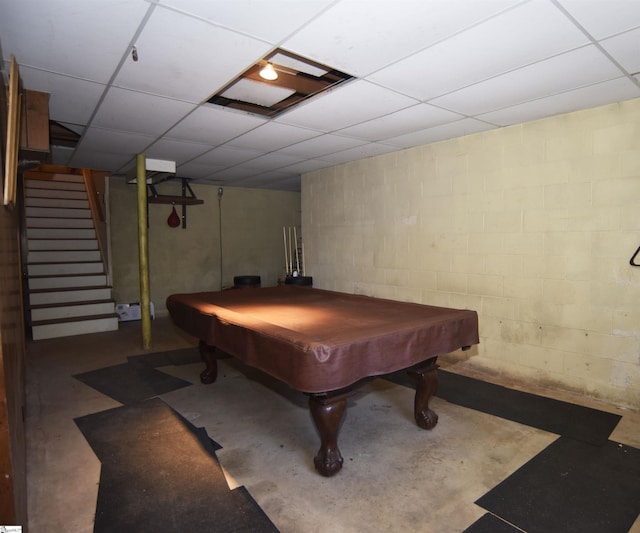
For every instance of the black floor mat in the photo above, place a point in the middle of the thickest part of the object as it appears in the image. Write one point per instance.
(138, 379)
(582, 482)
(159, 473)
(581, 423)
(153, 476)
(491, 524)
(571, 486)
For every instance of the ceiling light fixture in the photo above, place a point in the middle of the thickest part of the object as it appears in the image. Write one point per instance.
(269, 73)
(276, 83)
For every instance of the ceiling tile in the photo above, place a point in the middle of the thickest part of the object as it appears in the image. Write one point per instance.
(99, 160)
(460, 128)
(272, 136)
(421, 64)
(272, 161)
(196, 171)
(583, 98)
(308, 165)
(276, 179)
(552, 76)
(224, 157)
(110, 141)
(603, 18)
(178, 151)
(360, 37)
(266, 20)
(71, 100)
(345, 106)
(412, 118)
(235, 173)
(138, 112)
(256, 92)
(322, 145)
(192, 68)
(625, 49)
(359, 152)
(214, 125)
(501, 44)
(83, 39)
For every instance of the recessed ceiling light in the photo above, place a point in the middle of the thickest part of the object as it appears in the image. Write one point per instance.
(269, 73)
(296, 79)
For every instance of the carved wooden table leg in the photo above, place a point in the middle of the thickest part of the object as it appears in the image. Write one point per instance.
(427, 383)
(209, 374)
(327, 413)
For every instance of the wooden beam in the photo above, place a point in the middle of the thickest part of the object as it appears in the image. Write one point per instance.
(13, 135)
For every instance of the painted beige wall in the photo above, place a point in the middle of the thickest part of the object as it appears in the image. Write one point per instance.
(188, 260)
(533, 226)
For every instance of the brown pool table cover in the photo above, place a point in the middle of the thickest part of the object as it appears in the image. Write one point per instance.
(319, 341)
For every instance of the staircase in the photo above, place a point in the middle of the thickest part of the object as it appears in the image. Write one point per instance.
(68, 287)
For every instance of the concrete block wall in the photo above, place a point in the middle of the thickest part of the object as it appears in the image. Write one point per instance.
(532, 225)
(188, 260)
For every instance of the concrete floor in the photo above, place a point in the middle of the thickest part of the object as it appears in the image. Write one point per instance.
(268, 442)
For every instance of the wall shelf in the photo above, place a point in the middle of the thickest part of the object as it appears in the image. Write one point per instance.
(174, 200)
(187, 198)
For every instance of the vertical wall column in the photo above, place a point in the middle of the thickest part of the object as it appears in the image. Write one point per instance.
(143, 250)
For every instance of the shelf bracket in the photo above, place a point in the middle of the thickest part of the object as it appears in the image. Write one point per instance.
(188, 197)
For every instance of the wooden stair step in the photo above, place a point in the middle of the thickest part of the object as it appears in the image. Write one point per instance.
(62, 239)
(65, 275)
(70, 295)
(49, 222)
(34, 192)
(68, 285)
(74, 303)
(62, 262)
(71, 289)
(73, 319)
(50, 329)
(55, 185)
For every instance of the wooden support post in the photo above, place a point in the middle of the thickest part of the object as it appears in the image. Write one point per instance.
(13, 135)
(143, 250)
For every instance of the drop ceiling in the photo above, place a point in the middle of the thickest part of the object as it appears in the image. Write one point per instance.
(424, 71)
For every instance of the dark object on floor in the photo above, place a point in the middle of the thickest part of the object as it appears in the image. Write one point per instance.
(159, 473)
(138, 379)
(246, 282)
(491, 524)
(571, 486)
(569, 420)
(304, 281)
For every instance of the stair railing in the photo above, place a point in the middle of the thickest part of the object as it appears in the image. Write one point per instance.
(97, 213)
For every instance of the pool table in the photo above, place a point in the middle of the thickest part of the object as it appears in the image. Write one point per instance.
(325, 343)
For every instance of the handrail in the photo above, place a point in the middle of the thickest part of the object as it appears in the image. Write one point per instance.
(633, 257)
(97, 214)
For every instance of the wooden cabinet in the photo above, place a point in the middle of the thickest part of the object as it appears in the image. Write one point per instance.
(34, 130)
